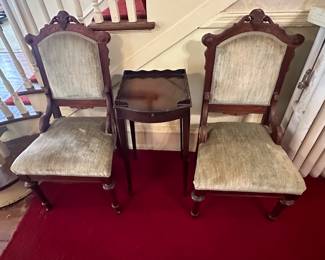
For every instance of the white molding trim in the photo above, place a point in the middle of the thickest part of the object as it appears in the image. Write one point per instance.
(315, 50)
(297, 18)
(317, 16)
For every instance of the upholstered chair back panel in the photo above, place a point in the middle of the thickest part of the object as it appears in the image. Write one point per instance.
(72, 65)
(246, 69)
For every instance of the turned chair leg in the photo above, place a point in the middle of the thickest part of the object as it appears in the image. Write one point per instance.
(34, 186)
(111, 188)
(185, 177)
(123, 149)
(128, 175)
(197, 197)
(280, 206)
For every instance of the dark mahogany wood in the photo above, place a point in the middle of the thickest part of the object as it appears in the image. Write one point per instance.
(256, 21)
(34, 186)
(30, 91)
(152, 97)
(282, 204)
(90, 103)
(141, 24)
(237, 109)
(64, 22)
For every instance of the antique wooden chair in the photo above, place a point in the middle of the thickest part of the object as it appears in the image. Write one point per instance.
(245, 69)
(74, 65)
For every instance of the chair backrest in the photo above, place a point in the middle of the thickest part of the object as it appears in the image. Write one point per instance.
(74, 64)
(246, 66)
(246, 69)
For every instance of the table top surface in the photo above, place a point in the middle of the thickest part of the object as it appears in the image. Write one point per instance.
(154, 91)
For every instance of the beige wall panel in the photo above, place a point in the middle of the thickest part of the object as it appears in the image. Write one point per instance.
(274, 5)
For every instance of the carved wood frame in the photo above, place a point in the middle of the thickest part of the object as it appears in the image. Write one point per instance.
(64, 22)
(256, 21)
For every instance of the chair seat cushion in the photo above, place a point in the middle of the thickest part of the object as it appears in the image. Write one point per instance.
(70, 147)
(241, 157)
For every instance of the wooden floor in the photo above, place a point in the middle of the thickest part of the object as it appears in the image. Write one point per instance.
(10, 216)
(9, 219)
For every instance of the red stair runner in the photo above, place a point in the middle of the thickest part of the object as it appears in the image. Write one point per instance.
(140, 7)
(25, 99)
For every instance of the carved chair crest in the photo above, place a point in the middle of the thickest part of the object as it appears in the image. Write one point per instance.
(63, 19)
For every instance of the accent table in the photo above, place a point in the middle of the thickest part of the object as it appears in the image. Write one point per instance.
(154, 97)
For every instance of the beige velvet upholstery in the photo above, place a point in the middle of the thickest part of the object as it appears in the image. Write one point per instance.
(246, 69)
(70, 147)
(72, 66)
(241, 157)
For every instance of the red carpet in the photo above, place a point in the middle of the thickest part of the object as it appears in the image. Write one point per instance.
(33, 79)
(155, 222)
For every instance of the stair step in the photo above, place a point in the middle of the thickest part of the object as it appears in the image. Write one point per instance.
(31, 115)
(23, 93)
(10, 101)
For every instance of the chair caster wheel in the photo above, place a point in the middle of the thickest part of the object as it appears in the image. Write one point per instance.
(270, 217)
(117, 209)
(194, 214)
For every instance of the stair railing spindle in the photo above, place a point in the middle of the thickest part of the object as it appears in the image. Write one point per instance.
(26, 16)
(27, 83)
(78, 10)
(21, 40)
(5, 110)
(131, 9)
(44, 11)
(60, 5)
(98, 16)
(17, 100)
(114, 11)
